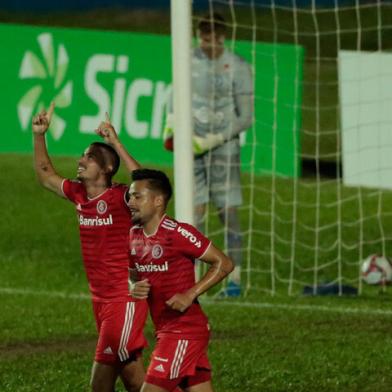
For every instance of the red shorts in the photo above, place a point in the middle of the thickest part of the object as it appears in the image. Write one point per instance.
(179, 362)
(120, 329)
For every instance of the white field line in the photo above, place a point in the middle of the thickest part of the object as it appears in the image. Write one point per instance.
(254, 305)
(40, 293)
(308, 308)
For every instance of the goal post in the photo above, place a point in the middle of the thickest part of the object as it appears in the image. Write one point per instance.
(181, 28)
(306, 219)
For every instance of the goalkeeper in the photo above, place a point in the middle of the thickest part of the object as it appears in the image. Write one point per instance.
(222, 106)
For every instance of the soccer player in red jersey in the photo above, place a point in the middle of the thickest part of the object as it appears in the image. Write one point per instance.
(162, 256)
(104, 222)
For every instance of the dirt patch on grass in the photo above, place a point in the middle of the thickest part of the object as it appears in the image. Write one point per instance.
(36, 348)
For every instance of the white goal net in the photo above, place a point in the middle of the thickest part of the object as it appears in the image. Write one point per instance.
(315, 163)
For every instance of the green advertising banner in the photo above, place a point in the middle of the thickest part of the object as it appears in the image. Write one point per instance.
(129, 75)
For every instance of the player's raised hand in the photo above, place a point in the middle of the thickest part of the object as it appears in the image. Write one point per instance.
(107, 131)
(41, 121)
(180, 302)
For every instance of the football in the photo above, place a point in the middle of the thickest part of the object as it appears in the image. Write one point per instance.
(376, 269)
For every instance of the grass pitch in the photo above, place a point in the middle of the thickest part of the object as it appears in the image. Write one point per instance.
(259, 343)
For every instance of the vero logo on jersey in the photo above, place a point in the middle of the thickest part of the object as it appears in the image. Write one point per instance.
(46, 67)
(189, 236)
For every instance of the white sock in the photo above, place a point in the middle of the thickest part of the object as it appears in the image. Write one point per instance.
(235, 276)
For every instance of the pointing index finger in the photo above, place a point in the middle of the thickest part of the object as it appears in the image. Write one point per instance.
(50, 110)
(107, 117)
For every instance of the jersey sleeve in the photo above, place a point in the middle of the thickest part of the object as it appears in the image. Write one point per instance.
(243, 80)
(123, 189)
(73, 190)
(190, 241)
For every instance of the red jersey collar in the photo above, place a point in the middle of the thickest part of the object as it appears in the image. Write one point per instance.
(158, 227)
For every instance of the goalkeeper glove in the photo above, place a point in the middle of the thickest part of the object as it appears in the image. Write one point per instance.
(168, 133)
(200, 144)
(206, 143)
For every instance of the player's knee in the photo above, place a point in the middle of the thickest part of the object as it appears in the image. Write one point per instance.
(132, 375)
(103, 378)
(230, 218)
(100, 384)
(234, 240)
(132, 384)
(133, 387)
(151, 388)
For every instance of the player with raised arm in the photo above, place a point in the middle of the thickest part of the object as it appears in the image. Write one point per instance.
(104, 222)
(163, 252)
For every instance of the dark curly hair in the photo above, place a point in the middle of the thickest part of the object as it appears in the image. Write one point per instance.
(157, 180)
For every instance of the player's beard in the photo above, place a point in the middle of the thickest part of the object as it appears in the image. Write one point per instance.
(79, 176)
(136, 218)
(82, 172)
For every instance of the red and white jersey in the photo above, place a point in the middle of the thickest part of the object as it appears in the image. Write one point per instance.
(104, 224)
(166, 259)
